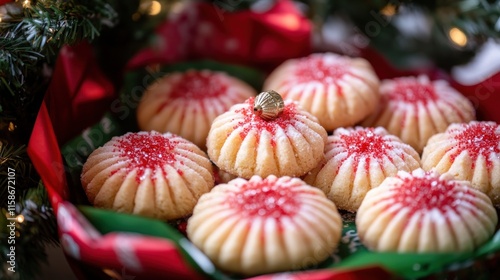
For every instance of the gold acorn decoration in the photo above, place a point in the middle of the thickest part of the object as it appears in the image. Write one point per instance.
(268, 105)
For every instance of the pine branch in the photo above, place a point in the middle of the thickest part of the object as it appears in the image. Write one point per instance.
(16, 57)
(476, 18)
(39, 220)
(34, 36)
(37, 227)
(480, 21)
(382, 22)
(36, 230)
(51, 24)
(15, 157)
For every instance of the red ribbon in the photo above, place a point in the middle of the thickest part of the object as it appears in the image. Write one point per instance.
(3, 2)
(79, 93)
(45, 155)
(261, 39)
(485, 97)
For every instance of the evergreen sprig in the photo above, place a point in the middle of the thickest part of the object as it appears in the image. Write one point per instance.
(34, 36)
(15, 157)
(39, 220)
(479, 18)
(16, 57)
(38, 227)
(37, 230)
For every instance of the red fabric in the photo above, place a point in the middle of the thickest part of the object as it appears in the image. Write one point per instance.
(245, 37)
(157, 257)
(44, 152)
(485, 97)
(79, 93)
(134, 254)
(3, 2)
(385, 70)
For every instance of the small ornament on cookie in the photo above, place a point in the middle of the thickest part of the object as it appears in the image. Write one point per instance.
(265, 136)
(268, 105)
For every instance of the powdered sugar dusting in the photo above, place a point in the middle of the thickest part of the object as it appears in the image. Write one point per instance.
(327, 69)
(146, 152)
(429, 192)
(366, 144)
(413, 91)
(194, 86)
(268, 198)
(316, 68)
(478, 139)
(198, 85)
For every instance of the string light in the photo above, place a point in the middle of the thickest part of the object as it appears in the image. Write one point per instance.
(154, 8)
(26, 4)
(20, 218)
(458, 37)
(147, 7)
(389, 10)
(12, 126)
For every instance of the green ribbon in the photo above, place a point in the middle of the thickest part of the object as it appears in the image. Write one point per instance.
(351, 254)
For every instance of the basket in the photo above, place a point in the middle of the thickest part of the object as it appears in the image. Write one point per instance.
(100, 244)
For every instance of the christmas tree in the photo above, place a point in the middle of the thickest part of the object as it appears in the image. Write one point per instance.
(442, 33)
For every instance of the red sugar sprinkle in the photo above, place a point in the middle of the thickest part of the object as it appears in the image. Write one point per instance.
(321, 69)
(252, 121)
(478, 139)
(198, 85)
(265, 199)
(146, 151)
(316, 69)
(365, 144)
(413, 92)
(429, 192)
